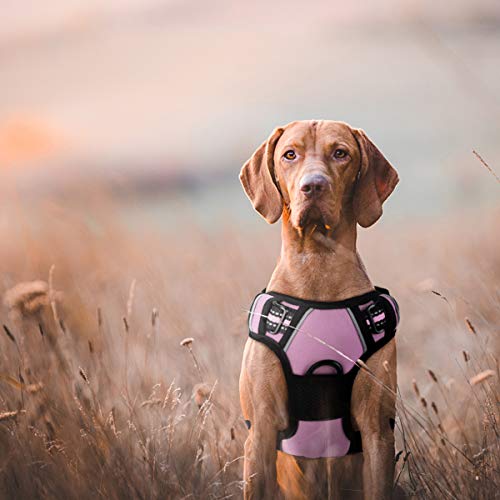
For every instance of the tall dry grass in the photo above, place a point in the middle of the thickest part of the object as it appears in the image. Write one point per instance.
(120, 353)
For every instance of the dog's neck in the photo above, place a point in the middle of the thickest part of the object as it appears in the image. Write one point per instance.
(318, 264)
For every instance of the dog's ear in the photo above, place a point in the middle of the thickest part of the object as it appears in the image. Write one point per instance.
(377, 179)
(258, 180)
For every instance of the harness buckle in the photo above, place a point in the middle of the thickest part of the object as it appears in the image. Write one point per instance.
(377, 326)
(282, 315)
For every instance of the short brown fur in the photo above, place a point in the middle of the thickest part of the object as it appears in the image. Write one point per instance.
(319, 262)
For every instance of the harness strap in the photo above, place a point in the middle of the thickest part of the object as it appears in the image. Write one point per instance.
(320, 396)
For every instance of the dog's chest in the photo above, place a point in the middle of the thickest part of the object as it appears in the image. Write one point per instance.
(319, 345)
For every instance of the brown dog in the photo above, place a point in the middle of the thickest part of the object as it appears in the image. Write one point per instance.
(323, 178)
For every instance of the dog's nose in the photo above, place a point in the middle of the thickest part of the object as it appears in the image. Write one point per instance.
(313, 185)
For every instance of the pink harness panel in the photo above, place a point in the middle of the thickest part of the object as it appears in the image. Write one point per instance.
(318, 344)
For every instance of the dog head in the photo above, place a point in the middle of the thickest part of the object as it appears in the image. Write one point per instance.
(320, 172)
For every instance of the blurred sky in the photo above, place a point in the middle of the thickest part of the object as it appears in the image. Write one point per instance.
(173, 89)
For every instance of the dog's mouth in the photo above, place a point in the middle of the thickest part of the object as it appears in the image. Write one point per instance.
(312, 216)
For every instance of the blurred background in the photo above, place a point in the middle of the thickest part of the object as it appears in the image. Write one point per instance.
(166, 99)
(124, 230)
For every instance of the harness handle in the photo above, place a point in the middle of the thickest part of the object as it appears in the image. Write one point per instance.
(325, 362)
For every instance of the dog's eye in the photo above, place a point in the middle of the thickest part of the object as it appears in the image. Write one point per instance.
(290, 155)
(340, 153)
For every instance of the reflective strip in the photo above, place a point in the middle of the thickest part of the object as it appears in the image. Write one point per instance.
(250, 315)
(297, 328)
(358, 331)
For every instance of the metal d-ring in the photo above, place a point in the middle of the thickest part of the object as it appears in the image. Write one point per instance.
(371, 319)
(275, 329)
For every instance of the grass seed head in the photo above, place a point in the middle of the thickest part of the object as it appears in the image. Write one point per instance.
(481, 377)
(415, 388)
(470, 326)
(187, 342)
(201, 392)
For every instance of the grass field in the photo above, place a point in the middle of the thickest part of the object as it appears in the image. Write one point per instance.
(98, 398)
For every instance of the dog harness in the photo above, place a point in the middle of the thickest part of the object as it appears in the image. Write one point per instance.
(318, 344)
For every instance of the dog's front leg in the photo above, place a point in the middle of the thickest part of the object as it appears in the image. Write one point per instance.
(378, 467)
(373, 408)
(263, 396)
(260, 464)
